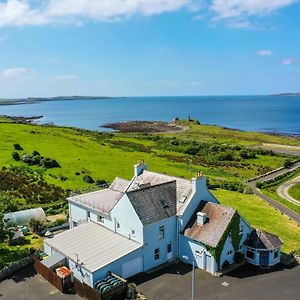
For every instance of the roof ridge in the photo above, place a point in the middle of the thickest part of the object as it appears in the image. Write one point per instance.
(167, 175)
(151, 186)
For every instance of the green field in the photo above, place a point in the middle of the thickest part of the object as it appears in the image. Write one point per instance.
(294, 191)
(261, 215)
(221, 154)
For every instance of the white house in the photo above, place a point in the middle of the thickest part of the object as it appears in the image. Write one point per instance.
(134, 226)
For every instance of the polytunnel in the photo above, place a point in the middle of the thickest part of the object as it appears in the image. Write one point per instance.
(23, 217)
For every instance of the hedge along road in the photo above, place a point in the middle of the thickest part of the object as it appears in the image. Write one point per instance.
(283, 190)
(285, 210)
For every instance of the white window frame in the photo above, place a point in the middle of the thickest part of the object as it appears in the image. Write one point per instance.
(157, 254)
(161, 232)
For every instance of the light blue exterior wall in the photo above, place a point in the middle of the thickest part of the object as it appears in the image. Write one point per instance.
(228, 251)
(130, 225)
(192, 250)
(77, 214)
(200, 193)
(256, 259)
(47, 249)
(116, 266)
(153, 241)
(81, 273)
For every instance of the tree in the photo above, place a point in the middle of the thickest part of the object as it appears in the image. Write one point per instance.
(15, 155)
(18, 147)
(287, 163)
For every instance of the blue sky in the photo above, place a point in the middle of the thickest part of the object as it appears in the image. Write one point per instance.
(148, 48)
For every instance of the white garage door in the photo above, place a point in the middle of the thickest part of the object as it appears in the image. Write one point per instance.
(132, 267)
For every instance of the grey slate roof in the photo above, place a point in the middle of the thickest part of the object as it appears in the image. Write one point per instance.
(211, 232)
(154, 203)
(183, 186)
(260, 239)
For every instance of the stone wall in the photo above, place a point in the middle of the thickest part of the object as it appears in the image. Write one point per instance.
(15, 266)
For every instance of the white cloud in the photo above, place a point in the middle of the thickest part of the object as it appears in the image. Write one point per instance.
(15, 73)
(40, 12)
(66, 77)
(236, 8)
(264, 52)
(289, 61)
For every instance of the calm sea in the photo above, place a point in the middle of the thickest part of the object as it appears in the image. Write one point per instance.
(254, 113)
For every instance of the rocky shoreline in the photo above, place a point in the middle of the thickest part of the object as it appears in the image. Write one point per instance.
(145, 127)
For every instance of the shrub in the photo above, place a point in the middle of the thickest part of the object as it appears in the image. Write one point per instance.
(18, 147)
(77, 173)
(259, 184)
(287, 163)
(225, 265)
(247, 154)
(225, 157)
(101, 182)
(88, 179)
(35, 153)
(37, 226)
(15, 155)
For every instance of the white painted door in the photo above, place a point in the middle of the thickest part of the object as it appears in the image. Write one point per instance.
(132, 267)
(208, 263)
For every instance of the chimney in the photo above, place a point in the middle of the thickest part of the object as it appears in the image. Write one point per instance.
(201, 218)
(139, 168)
(199, 183)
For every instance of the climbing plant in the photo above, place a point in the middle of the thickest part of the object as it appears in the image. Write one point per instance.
(232, 229)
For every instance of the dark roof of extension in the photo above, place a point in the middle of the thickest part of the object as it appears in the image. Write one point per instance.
(218, 219)
(259, 239)
(154, 203)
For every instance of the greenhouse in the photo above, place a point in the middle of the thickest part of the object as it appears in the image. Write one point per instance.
(23, 217)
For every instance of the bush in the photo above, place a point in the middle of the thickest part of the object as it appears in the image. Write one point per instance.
(18, 147)
(247, 154)
(15, 155)
(287, 163)
(37, 226)
(101, 182)
(226, 265)
(88, 179)
(259, 184)
(35, 153)
(225, 157)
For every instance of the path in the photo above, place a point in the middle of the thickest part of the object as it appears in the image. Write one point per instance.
(285, 210)
(283, 190)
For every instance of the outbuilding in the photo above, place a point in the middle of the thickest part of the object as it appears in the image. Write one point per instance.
(262, 248)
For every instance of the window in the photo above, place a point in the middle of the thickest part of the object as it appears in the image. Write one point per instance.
(156, 254)
(88, 214)
(118, 225)
(132, 231)
(275, 253)
(229, 252)
(241, 229)
(250, 254)
(169, 248)
(161, 232)
(198, 253)
(100, 219)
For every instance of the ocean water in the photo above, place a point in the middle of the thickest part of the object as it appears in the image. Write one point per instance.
(253, 113)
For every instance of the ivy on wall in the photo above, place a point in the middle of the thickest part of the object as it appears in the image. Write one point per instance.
(232, 229)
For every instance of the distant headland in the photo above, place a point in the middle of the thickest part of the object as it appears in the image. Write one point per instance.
(287, 95)
(31, 100)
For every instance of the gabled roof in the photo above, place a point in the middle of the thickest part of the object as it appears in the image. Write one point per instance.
(119, 184)
(218, 219)
(154, 203)
(93, 245)
(183, 186)
(102, 201)
(260, 239)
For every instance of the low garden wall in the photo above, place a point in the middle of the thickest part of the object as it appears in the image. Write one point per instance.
(15, 266)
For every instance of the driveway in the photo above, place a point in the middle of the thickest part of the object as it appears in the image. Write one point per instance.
(26, 284)
(246, 283)
(283, 190)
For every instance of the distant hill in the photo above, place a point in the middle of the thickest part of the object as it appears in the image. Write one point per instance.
(58, 98)
(288, 94)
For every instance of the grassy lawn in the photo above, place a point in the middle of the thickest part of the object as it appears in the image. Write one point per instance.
(261, 215)
(9, 254)
(271, 191)
(294, 191)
